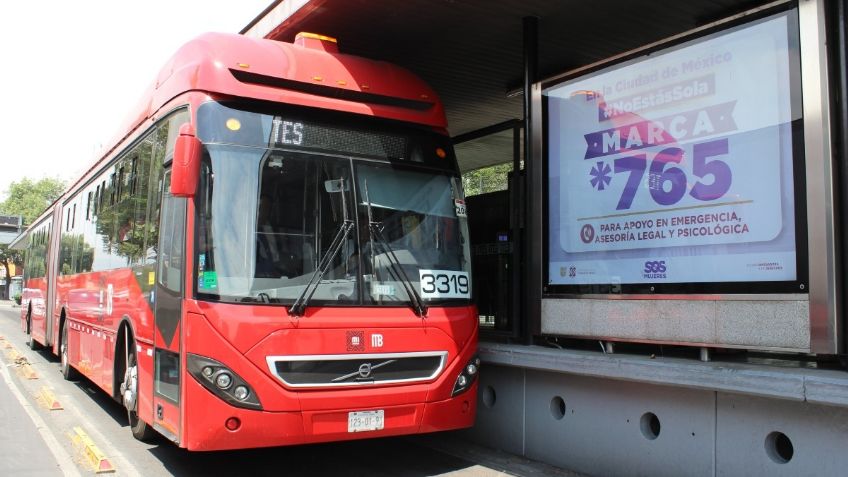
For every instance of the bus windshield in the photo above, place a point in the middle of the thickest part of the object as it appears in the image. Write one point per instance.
(364, 215)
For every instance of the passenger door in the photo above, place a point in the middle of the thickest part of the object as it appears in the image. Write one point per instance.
(168, 313)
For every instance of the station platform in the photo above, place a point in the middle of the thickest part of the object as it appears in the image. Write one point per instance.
(774, 378)
(663, 413)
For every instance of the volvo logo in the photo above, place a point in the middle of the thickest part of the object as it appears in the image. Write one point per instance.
(365, 370)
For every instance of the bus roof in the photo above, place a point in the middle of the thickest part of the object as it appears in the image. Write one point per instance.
(233, 65)
(236, 65)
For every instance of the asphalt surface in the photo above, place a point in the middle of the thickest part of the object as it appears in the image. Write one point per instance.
(23, 449)
(39, 441)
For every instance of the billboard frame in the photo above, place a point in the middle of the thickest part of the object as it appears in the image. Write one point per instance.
(815, 308)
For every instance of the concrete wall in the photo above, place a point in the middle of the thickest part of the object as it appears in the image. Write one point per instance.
(604, 426)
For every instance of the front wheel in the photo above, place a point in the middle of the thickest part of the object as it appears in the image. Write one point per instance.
(129, 393)
(68, 371)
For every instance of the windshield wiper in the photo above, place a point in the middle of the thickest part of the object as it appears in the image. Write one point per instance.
(299, 305)
(376, 230)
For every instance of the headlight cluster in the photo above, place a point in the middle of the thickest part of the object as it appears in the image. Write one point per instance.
(222, 381)
(467, 376)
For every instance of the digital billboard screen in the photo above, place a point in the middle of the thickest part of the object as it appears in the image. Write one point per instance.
(678, 166)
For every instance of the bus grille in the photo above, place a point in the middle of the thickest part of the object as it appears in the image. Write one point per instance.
(358, 369)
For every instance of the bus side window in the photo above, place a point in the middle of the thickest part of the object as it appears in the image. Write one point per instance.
(154, 194)
(173, 130)
(172, 238)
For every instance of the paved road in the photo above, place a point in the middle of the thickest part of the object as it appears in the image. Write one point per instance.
(105, 422)
(23, 448)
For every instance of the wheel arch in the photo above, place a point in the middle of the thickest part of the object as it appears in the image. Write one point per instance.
(119, 363)
(63, 318)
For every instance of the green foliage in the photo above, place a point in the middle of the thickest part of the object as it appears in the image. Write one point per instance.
(487, 179)
(17, 298)
(8, 256)
(29, 199)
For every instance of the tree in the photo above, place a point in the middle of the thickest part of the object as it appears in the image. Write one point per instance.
(488, 179)
(29, 198)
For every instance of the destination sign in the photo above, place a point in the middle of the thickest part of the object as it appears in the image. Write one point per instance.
(329, 132)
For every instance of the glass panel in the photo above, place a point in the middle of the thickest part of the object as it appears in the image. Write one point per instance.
(168, 374)
(492, 258)
(676, 172)
(270, 216)
(416, 226)
(492, 195)
(36, 266)
(301, 203)
(486, 162)
(173, 237)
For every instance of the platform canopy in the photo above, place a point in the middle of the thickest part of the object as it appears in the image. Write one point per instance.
(471, 51)
(10, 227)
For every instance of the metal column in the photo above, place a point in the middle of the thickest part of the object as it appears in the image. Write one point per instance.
(531, 284)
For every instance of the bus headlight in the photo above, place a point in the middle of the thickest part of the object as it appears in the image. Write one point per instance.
(222, 381)
(241, 393)
(467, 376)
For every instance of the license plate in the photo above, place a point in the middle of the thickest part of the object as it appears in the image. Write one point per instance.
(364, 421)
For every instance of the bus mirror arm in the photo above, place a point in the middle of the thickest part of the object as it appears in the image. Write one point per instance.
(185, 171)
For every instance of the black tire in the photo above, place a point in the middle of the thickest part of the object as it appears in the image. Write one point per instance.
(33, 345)
(140, 429)
(68, 371)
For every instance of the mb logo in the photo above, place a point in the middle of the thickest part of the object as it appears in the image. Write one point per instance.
(355, 341)
(376, 340)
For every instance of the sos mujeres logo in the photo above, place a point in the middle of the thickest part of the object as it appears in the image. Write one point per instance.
(654, 269)
(571, 271)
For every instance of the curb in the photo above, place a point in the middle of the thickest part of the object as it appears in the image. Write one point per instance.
(47, 399)
(91, 452)
(12, 353)
(26, 371)
(23, 367)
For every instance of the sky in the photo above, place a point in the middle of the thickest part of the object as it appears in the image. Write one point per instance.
(70, 72)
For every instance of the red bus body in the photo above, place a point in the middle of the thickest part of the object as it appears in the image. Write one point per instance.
(106, 310)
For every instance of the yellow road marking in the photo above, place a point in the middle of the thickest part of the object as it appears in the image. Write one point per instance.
(46, 398)
(91, 452)
(26, 371)
(23, 367)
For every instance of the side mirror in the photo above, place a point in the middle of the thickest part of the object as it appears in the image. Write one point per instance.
(185, 169)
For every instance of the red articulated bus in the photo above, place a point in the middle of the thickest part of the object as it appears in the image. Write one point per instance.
(275, 251)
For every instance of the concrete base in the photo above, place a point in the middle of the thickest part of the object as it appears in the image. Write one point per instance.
(609, 426)
(765, 324)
